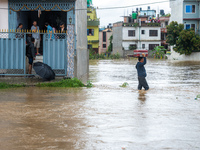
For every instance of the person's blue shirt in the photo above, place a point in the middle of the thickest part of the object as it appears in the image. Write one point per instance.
(140, 68)
(35, 35)
(50, 30)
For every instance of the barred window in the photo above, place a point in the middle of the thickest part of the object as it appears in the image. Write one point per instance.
(131, 32)
(153, 32)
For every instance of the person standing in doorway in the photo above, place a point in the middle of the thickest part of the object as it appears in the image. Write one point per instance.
(36, 35)
(142, 73)
(19, 29)
(30, 53)
(62, 29)
(49, 30)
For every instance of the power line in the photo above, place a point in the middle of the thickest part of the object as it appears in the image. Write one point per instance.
(132, 5)
(107, 8)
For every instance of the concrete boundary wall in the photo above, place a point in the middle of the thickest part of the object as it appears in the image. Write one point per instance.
(195, 56)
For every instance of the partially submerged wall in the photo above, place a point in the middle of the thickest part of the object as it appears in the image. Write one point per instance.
(195, 56)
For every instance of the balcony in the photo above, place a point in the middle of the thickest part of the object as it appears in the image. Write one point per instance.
(94, 22)
(93, 41)
(142, 24)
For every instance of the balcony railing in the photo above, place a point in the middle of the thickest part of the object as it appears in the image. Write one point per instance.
(92, 22)
(142, 24)
(93, 41)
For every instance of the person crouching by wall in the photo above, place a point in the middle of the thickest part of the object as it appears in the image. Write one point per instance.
(30, 53)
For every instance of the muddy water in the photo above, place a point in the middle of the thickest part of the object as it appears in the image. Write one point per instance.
(107, 116)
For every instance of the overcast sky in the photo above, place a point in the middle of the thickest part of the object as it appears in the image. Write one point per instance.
(114, 15)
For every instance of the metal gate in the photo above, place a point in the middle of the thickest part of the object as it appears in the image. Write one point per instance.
(55, 53)
(12, 54)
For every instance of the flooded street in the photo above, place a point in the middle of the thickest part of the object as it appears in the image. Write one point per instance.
(107, 116)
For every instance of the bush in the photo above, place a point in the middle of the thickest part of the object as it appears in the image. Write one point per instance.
(187, 42)
(159, 52)
(132, 47)
(107, 55)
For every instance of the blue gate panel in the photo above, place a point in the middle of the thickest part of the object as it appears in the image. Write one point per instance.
(11, 53)
(55, 53)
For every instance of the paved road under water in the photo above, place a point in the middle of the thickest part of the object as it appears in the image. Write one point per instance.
(107, 116)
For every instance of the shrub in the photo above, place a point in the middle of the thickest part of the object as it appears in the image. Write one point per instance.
(159, 52)
(187, 42)
(74, 82)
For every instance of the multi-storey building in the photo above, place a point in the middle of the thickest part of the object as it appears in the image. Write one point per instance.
(137, 33)
(104, 41)
(186, 12)
(164, 22)
(92, 28)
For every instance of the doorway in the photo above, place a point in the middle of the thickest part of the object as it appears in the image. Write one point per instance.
(54, 18)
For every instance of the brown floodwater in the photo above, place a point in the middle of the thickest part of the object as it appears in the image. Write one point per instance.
(107, 116)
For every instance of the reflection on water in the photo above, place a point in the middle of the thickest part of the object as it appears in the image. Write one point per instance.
(142, 96)
(107, 116)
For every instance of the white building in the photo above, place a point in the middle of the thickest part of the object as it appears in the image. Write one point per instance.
(143, 37)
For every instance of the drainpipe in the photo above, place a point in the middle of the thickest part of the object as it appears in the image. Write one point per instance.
(139, 43)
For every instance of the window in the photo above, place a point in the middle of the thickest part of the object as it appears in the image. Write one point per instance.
(104, 36)
(166, 23)
(89, 46)
(90, 32)
(88, 17)
(143, 46)
(190, 8)
(143, 31)
(190, 26)
(132, 46)
(153, 32)
(152, 46)
(187, 26)
(104, 45)
(193, 26)
(131, 32)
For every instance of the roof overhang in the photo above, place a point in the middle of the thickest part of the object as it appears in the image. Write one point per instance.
(191, 18)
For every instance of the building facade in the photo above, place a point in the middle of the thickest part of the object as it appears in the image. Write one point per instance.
(164, 22)
(136, 34)
(54, 12)
(186, 12)
(104, 40)
(92, 29)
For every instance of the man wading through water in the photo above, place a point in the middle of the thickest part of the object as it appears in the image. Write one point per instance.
(142, 73)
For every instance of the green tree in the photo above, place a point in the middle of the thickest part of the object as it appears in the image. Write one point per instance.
(132, 47)
(110, 47)
(173, 32)
(167, 15)
(187, 42)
